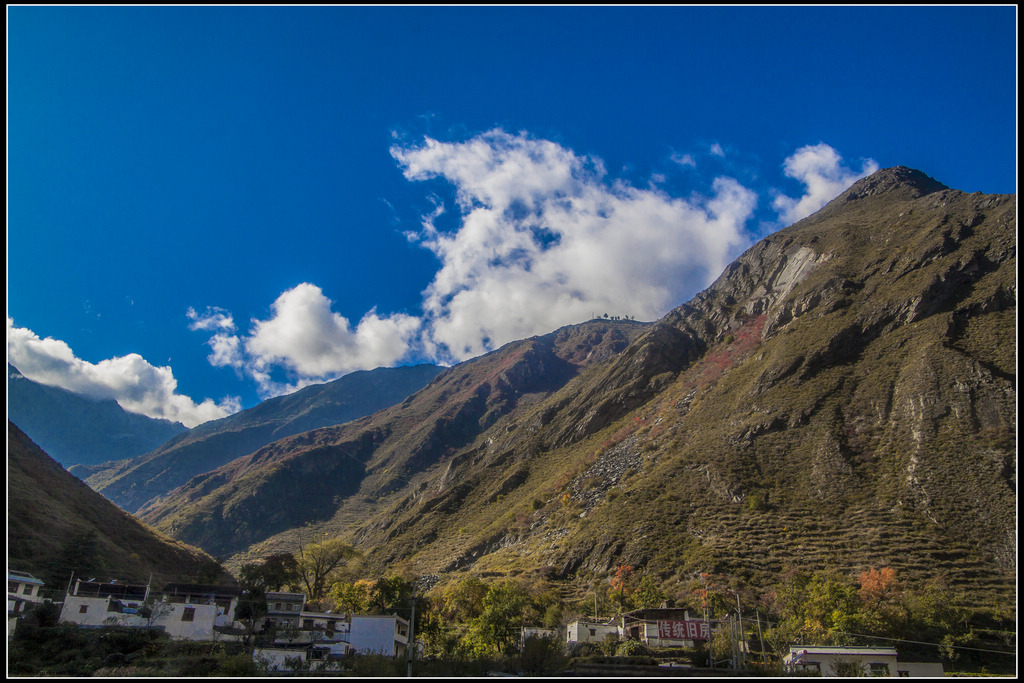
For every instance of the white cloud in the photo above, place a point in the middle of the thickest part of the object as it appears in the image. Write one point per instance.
(545, 240)
(819, 167)
(716, 150)
(305, 335)
(683, 160)
(212, 319)
(312, 342)
(135, 384)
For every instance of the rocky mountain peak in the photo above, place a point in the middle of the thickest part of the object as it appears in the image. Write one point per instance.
(909, 183)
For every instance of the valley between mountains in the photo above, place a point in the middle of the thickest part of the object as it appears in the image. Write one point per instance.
(843, 396)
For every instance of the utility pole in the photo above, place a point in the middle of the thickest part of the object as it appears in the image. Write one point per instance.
(707, 621)
(412, 636)
(739, 612)
(760, 636)
(732, 643)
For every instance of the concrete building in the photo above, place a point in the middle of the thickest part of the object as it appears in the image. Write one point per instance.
(183, 611)
(284, 609)
(290, 657)
(871, 661)
(23, 590)
(666, 627)
(586, 631)
(101, 604)
(379, 634)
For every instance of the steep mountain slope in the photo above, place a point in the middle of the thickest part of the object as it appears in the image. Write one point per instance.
(842, 396)
(56, 524)
(305, 477)
(76, 429)
(135, 482)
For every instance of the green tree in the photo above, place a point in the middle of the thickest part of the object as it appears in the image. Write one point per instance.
(390, 594)
(543, 656)
(210, 571)
(349, 596)
(648, 594)
(319, 563)
(464, 600)
(501, 619)
(272, 573)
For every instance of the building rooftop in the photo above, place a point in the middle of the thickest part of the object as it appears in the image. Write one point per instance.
(840, 650)
(23, 577)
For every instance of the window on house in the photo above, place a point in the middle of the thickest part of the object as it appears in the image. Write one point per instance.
(879, 668)
(83, 609)
(188, 614)
(12, 587)
(28, 589)
(307, 624)
(593, 632)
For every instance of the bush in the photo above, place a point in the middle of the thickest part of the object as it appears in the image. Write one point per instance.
(237, 665)
(632, 648)
(543, 656)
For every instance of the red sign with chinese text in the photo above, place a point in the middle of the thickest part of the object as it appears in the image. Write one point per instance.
(683, 629)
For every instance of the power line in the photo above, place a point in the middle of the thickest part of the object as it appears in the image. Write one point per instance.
(920, 642)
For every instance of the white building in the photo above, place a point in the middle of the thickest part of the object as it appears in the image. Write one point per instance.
(536, 632)
(288, 657)
(182, 613)
(666, 627)
(379, 634)
(872, 661)
(22, 591)
(330, 634)
(585, 631)
(284, 609)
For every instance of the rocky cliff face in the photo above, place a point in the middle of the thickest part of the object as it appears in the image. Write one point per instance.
(842, 396)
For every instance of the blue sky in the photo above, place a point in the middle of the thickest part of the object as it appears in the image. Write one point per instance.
(210, 206)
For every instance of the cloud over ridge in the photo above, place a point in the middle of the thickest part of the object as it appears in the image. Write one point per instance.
(546, 239)
(541, 237)
(819, 167)
(134, 383)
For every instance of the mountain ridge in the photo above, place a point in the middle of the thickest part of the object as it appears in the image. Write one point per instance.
(57, 525)
(857, 365)
(134, 483)
(77, 429)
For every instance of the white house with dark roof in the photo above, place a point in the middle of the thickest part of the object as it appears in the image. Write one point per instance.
(23, 590)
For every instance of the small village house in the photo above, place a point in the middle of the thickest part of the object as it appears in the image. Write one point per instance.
(319, 633)
(23, 590)
(183, 611)
(385, 634)
(666, 627)
(870, 661)
(587, 631)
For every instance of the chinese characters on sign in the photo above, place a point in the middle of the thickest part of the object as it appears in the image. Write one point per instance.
(679, 629)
